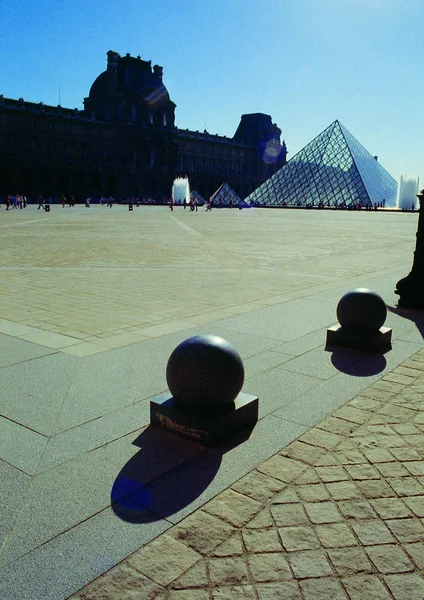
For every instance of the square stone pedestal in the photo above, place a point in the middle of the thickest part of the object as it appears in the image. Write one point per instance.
(207, 426)
(377, 342)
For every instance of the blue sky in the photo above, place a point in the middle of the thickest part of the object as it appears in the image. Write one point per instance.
(304, 62)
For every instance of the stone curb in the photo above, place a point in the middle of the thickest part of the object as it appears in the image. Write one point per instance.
(338, 513)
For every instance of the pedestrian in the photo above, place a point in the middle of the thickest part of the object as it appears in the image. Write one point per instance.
(171, 204)
(185, 203)
(63, 200)
(40, 202)
(195, 203)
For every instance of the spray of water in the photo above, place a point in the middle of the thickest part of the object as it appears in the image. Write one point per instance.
(181, 190)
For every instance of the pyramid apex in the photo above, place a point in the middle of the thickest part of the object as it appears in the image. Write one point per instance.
(334, 169)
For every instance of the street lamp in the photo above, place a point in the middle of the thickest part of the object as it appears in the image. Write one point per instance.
(410, 289)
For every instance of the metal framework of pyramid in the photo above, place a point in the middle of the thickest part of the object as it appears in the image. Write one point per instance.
(332, 170)
(225, 196)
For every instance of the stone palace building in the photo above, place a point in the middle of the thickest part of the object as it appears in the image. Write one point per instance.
(125, 143)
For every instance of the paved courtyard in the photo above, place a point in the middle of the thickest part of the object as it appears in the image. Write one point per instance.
(94, 301)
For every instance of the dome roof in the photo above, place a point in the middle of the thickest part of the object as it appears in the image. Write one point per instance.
(131, 76)
(99, 88)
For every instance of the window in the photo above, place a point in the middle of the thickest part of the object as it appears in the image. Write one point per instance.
(152, 158)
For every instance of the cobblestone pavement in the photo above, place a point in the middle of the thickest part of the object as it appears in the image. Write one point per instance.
(87, 281)
(89, 296)
(339, 513)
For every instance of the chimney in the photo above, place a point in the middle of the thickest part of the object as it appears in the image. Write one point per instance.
(158, 71)
(112, 71)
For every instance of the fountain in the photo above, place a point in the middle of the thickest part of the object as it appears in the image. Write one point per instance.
(408, 190)
(181, 190)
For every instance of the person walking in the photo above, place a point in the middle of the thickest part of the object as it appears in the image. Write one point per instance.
(171, 204)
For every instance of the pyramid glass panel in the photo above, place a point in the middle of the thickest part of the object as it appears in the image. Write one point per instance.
(200, 199)
(225, 196)
(332, 170)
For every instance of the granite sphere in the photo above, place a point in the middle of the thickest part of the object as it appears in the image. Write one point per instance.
(362, 311)
(205, 369)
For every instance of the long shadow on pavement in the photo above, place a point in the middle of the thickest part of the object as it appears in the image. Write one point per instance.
(166, 475)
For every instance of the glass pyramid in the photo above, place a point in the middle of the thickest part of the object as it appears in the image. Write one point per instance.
(200, 199)
(332, 170)
(225, 196)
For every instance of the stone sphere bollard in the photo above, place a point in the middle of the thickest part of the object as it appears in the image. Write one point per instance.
(361, 314)
(205, 370)
(362, 311)
(205, 374)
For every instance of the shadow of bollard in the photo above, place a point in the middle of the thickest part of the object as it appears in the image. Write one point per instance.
(166, 475)
(357, 363)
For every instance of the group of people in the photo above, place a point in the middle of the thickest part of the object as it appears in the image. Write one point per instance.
(18, 201)
(192, 204)
(63, 200)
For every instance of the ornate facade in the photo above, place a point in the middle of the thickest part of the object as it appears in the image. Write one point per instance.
(125, 143)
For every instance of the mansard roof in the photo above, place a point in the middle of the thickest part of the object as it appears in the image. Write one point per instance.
(129, 75)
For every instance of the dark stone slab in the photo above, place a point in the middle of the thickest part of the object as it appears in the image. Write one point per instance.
(373, 342)
(208, 427)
